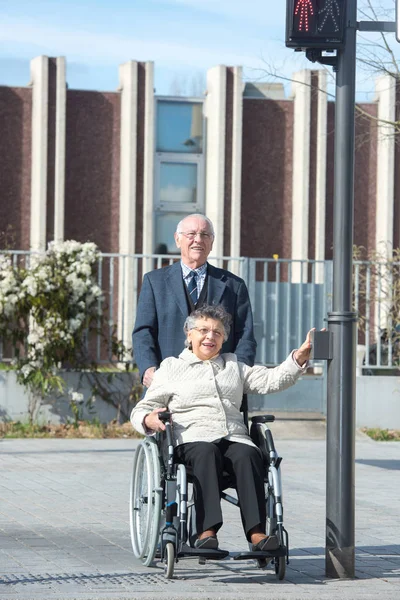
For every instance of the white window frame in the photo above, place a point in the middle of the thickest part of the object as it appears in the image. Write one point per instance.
(179, 157)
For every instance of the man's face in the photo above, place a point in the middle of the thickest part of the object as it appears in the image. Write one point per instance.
(194, 248)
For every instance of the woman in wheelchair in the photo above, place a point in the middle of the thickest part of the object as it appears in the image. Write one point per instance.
(203, 390)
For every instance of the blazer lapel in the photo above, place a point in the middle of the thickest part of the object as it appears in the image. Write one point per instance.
(175, 284)
(216, 285)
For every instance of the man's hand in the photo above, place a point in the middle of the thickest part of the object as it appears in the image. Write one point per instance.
(148, 376)
(152, 422)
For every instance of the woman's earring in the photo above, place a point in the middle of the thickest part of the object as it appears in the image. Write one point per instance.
(190, 347)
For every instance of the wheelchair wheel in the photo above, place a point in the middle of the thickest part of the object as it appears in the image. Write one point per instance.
(280, 567)
(169, 556)
(145, 501)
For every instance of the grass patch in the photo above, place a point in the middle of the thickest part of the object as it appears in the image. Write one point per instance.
(383, 435)
(6, 367)
(83, 429)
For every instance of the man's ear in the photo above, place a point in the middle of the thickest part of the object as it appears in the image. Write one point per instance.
(177, 241)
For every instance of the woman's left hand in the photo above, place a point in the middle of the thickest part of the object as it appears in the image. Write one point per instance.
(302, 355)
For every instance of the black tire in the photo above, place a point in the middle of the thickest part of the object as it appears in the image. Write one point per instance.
(280, 567)
(169, 556)
(145, 501)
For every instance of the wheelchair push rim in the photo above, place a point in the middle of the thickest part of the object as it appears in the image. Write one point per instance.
(145, 501)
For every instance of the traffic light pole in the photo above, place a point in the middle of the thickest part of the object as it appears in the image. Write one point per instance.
(340, 445)
(316, 27)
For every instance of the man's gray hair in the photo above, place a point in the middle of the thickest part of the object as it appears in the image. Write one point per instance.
(208, 311)
(199, 216)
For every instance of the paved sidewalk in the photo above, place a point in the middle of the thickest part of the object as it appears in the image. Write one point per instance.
(64, 528)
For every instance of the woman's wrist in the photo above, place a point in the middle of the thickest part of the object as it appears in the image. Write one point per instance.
(145, 426)
(300, 358)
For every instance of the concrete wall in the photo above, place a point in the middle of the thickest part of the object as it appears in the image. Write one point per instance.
(378, 402)
(14, 400)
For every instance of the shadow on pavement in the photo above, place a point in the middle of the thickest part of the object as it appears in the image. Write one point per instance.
(391, 464)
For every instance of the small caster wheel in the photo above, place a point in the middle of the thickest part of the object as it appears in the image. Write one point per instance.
(169, 557)
(280, 567)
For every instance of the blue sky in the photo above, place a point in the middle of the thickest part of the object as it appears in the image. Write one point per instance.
(183, 37)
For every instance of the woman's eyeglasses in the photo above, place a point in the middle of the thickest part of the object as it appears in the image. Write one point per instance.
(204, 331)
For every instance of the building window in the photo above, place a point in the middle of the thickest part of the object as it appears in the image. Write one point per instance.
(179, 166)
(179, 126)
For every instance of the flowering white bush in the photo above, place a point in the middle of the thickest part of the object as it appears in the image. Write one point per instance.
(50, 307)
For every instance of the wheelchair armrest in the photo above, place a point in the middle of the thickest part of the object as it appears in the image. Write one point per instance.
(262, 436)
(263, 419)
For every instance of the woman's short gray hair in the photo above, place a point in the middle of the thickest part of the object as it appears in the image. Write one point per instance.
(208, 311)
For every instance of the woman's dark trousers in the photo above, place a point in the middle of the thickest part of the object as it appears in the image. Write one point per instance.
(207, 461)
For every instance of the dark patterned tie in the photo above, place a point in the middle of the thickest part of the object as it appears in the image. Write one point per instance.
(192, 287)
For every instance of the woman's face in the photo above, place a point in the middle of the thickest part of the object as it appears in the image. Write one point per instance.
(207, 338)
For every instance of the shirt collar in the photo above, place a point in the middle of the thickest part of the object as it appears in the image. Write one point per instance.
(188, 356)
(186, 271)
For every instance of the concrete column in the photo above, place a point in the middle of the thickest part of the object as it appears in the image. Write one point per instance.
(128, 78)
(320, 187)
(301, 90)
(215, 114)
(386, 97)
(237, 136)
(39, 82)
(59, 174)
(148, 172)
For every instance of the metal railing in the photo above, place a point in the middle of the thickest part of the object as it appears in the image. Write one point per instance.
(288, 297)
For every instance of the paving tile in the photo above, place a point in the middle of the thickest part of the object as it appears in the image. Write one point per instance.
(64, 529)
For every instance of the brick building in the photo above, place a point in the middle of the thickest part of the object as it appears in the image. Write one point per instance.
(121, 168)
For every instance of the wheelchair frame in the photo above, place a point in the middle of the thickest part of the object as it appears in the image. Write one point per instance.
(162, 519)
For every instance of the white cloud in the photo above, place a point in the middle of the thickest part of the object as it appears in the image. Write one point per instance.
(98, 48)
(175, 193)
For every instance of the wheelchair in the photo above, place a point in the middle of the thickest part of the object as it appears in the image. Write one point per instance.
(162, 514)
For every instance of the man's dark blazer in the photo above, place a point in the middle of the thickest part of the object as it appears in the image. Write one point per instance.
(163, 307)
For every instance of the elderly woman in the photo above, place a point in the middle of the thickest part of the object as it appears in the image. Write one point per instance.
(203, 389)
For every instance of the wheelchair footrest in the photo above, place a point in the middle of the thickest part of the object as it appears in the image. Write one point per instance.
(260, 555)
(202, 553)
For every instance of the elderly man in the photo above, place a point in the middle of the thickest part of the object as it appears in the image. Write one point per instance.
(170, 294)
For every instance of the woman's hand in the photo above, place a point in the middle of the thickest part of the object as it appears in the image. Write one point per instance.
(152, 422)
(302, 355)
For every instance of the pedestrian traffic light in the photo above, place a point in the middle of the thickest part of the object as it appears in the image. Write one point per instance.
(315, 24)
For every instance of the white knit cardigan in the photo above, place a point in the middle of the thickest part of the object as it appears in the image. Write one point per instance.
(204, 396)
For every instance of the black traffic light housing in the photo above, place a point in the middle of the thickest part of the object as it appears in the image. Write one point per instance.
(315, 24)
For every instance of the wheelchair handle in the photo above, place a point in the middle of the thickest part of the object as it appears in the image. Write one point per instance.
(164, 416)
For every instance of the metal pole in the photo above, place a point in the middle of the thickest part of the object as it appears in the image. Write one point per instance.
(339, 554)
